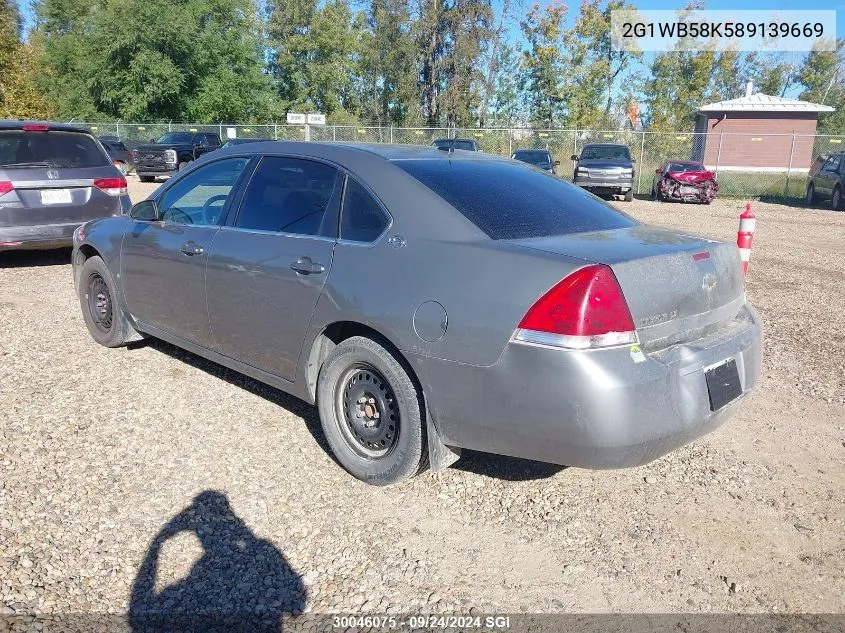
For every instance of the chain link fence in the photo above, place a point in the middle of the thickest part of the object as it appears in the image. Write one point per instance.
(746, 165)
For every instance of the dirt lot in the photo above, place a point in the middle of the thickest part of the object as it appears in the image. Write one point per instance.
(101, 449)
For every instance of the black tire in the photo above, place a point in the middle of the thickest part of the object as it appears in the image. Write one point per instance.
(810, 198)
(360, 369)
(836, 199)
(629, 195)
(146, 178)
(103, 316)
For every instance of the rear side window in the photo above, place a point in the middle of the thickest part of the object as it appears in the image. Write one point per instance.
(65, 150)
(513, 201)
(362, 220)
(290, 195)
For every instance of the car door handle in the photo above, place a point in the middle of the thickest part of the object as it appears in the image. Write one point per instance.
(192, 248)
(305, 266)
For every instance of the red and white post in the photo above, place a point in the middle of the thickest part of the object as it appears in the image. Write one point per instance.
(745, 235)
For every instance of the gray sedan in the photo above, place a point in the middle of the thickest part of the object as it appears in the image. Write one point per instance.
(429, 302)
(53, 177)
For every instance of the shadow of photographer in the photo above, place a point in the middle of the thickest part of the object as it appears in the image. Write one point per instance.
(239, 583)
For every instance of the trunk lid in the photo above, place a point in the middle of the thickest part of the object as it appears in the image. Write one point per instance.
(678, 287)
(62, 196)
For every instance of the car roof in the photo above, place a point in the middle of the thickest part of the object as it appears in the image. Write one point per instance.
(605, 145)
(344, 152)
(10, 124)
(528, 149)
(465, 140)
(682, 161)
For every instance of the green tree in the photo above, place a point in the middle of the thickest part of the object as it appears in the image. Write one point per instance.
(315, 53)
(504, 107)
(389, 82)
(823, 80)
(200, 60)
(594, 72)
(543, 29)
(20, 98)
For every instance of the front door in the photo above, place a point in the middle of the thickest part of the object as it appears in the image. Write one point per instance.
(163, 262)
(267, 270)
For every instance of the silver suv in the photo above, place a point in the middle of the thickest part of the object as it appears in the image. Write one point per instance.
(53, 177)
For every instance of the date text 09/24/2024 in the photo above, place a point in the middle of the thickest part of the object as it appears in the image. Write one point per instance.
(437, 622)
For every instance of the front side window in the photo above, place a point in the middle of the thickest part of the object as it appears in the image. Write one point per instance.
(362, 220)
(290, 195)
(199, 198)
(832, 163)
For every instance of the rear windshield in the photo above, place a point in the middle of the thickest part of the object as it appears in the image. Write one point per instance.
(513, 201)
(50, 149)
(592, 152)
(535, 158)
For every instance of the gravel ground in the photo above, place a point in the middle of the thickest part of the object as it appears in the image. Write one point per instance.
(148, 478)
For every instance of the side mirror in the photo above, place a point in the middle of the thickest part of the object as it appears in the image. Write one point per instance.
(633, 160)
(575, 157)
(145, 211)
(659, 170)
(556, 163)
(152, 140)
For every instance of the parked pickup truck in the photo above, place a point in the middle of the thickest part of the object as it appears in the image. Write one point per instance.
(171, 153)
(605, 169)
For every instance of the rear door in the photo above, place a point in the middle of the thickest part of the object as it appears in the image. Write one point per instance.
(163, 262)
(828, 176)
(267, 269)
(57, 177)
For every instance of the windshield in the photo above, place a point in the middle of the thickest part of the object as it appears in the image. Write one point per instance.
(176, 137)
(19, 148)
(611, 152)
(683, 167)
(534, 158)
(511, 201)
(456, 144)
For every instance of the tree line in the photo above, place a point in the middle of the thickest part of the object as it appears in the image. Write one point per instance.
(465, 63)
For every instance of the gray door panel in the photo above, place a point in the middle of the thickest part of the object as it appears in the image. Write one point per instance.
(163, 272)
(259, 306)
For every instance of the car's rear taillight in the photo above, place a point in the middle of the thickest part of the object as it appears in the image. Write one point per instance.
(111, 186)
(584, 311)
(37, 127)
(5, 187)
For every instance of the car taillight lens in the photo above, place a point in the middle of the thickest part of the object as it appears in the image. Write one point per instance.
(584, 311)
(5, 187)
(35, 128)
(111, 186)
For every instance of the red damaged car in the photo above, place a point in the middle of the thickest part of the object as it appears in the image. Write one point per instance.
(684, 181)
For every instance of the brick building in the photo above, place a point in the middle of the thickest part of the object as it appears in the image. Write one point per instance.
(758, 133)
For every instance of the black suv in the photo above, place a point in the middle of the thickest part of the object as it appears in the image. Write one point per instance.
(827, 180)
(172, 152)
(541, 158)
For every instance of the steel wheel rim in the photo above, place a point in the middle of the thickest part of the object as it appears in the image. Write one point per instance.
(100, 303)
(367, 412)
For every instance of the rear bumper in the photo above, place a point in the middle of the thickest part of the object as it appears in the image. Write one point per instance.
(42, 236)
(598, 409)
